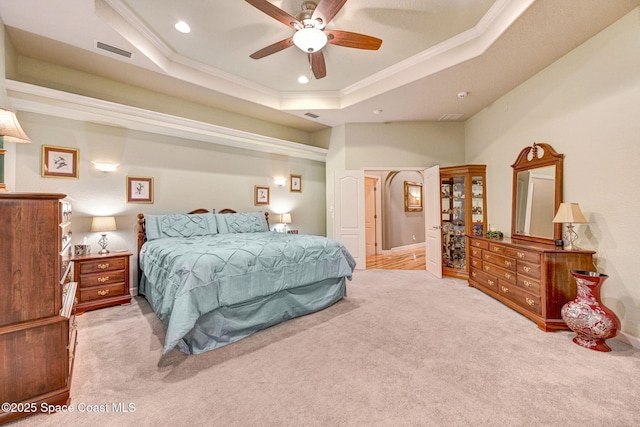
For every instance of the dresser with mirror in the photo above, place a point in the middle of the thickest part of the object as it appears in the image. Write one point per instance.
(528, 272)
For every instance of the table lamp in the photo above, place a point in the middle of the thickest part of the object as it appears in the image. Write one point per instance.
(102, 224)
(570, 213)
(285, 219)
(10, 131)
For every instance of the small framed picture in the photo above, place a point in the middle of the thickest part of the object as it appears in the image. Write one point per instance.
(59, 162)
(261, 196)
(139, 189)
(296, 183)
(412, 197)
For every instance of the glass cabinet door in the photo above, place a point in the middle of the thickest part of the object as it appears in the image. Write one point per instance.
(477, 205)
(453, 222)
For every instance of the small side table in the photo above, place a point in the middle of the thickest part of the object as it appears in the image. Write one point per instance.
(103, 280)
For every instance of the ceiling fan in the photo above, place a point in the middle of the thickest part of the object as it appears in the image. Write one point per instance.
(311, 34)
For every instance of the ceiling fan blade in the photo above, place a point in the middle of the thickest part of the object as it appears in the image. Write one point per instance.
(316, 60)
(355, 40)
(276, 47)
(275, 12)
(327, 9)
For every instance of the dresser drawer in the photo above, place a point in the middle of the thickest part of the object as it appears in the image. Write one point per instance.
(501, 273)
(520, 296)
(528, 269)
(93, 294)
(99, 265)
(476, 243)
(499, 260)
(101, 279)
(475, 252)
(483, 279)
(476, 263)
(531, 285)
(523, 255)
(497, 248)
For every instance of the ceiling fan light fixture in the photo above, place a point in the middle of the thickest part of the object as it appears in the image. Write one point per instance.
(310, 39)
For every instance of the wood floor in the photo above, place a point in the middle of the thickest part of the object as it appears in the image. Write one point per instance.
(408, 259)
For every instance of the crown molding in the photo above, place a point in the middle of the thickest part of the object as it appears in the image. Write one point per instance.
(37, 99)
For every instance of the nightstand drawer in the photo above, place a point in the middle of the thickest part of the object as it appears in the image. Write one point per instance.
(101, 279)
(101, 292)
(100, 265)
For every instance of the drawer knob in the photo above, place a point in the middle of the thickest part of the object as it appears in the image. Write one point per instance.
(487, 257)
(103, 292)
(103, 266)
(527, 269)
(505, 290)
(527, 283)
(103, 279)
(507, 263)
(473, 273)
(530, 302)
(520, 254)
(507, 275)
(490, 282)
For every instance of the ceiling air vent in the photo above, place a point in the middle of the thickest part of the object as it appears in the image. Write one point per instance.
(313, 116)
(450, 117)
(113, 49)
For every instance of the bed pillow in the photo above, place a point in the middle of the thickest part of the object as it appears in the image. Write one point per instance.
(250, 222)
(180, 225)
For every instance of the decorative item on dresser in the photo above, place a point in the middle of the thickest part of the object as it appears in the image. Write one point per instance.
(37, 321)
(463, 204)
(103, 280)
(531, 278)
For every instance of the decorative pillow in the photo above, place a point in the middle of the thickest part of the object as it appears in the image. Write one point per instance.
(180, 225)
(250, 222)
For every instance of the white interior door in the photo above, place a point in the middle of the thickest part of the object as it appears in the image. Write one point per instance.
(433, 220)
(348, 219)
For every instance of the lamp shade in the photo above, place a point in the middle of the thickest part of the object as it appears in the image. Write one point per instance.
(103, 223)
(10, 129)
(285, 218)
(570, 213)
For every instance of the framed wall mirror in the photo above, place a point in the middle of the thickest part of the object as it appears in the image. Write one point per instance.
(537, 194)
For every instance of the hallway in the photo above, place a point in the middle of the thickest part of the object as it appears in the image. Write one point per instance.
(408, 259)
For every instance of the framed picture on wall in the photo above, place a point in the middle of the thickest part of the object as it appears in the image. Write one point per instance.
(261, 195)
(412, 196)
(59, 162)
(139, 189)
(296, 183)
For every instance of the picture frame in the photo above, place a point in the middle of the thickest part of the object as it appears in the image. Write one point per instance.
(60, 162)
(295, 183)
(412, 196)
(261, 195)
(139, 189)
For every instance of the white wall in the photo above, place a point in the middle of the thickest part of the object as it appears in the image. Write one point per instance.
(187, 175)
(586, 106)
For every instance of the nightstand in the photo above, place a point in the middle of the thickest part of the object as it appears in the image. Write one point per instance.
(103, 280)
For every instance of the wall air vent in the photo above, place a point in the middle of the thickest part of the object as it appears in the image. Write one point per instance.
(450, 117)
(313, 116)
(114, 49)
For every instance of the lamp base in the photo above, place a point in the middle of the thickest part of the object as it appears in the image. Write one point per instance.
(103, 242)
(3, 188)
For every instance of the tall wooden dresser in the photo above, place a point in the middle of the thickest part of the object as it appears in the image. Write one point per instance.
(37, 327)
(531, 278)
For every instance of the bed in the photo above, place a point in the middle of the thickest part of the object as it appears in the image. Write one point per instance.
(215, 278)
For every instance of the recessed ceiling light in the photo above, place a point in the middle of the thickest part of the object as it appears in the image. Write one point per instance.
(303, 79)
(183, 27)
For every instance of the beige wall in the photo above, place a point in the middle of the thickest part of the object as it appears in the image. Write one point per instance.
(187, 175)
(586, 106)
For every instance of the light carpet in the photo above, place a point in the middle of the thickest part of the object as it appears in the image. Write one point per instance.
(403, 349)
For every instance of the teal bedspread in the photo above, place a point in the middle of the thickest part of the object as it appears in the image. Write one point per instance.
(186, 278)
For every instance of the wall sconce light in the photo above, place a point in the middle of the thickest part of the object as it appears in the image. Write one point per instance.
(570, 213)
(105, 166)
(280, 182)
(102, 224)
